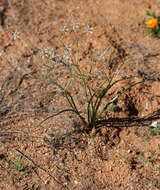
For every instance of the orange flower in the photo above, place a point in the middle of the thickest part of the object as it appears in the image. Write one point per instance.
(149, 5)
(152, 23)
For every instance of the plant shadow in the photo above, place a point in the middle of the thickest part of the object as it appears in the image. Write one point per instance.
(129, 121)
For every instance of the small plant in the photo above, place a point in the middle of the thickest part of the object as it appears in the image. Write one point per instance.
(113, 108)
(154, 128)
(93, 97)
(19, 169)
(18, 165)
(153, 25)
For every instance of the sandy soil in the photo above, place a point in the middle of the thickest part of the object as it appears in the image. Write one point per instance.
(42, 37)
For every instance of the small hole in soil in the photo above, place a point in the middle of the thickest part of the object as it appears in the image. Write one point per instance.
(2, 156)
(133, 164)
(132, 109)
(67, 178)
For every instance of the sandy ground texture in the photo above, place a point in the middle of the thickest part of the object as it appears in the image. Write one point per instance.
(43, 38)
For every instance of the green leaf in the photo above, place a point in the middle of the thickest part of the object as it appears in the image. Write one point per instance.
(148, 13)
(154, 15)
(158, 35)
(17, 166)
(155, 131)
(62, 111)
(113, 108)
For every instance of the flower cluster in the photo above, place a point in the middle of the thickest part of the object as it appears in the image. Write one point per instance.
(153, 24)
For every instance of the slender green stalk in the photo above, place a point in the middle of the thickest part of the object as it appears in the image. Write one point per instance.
(53, 115)
(105, 90)
(114, 99)
(62, 111)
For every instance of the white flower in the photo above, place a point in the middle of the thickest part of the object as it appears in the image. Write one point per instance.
(88, 30)
(74, 25)
(154, 124)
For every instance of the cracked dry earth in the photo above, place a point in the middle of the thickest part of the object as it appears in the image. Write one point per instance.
(44, 36)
